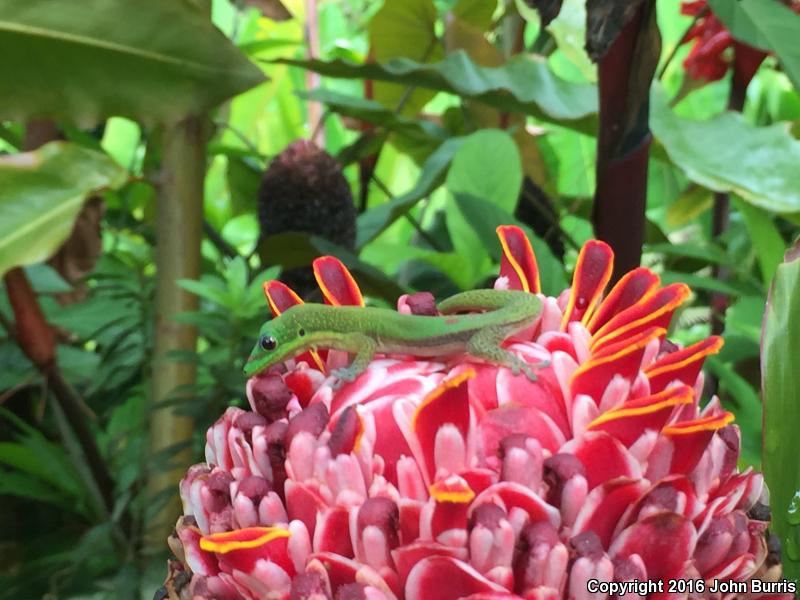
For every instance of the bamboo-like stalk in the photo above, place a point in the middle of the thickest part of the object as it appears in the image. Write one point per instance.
(179, 231)
(315, 113)
(623, 142)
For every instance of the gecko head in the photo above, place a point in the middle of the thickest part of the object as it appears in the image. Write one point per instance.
(279, 339)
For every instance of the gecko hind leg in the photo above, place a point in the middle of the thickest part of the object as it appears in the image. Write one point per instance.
(485, 344)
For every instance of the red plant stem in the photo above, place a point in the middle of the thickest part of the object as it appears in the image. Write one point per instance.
(721, 218)
(36, 339)
(623, 143)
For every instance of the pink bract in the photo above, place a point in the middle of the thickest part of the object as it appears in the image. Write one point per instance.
(438, 480)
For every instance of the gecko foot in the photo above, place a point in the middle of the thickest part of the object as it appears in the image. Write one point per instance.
(345, 374)
(530, 370)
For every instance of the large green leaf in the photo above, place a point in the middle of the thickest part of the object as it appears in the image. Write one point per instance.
(524, 84)
(767, 240)
(487, 166)
(404, 28)
(477, 13)
(374, 112)
(485, 217)
(42, 194)
(780, 364)
(727, 154)
(373, 222)
(82, 61)
(766, 24)
(569, 31)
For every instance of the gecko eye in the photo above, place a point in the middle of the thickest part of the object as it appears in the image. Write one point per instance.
(301, 332)
(267, 342)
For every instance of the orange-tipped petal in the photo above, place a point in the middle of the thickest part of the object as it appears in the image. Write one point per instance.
(593, 376)
(518, 262)
(512, 495)
(454, 490)
(452, 497)
(592, 274)
(338, 286)
(654, 310)
(346, 432)
(629, 290)
(664, 542)
(241, 549)
(691, 438)
(280, 296)
(605, 459)
(447, 404)
(605, 506)
(682, 365)
(629, 421)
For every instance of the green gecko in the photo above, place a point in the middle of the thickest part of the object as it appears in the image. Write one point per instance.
(364, 331)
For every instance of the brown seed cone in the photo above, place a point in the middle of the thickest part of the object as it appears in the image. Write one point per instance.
(304, 190)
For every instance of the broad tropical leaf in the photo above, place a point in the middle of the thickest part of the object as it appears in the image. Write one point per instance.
(727, 154)
(42, 194)
(374, 221)
(374, 112)
(780, 361)
(766, 24)
(404, 28)
(83, 61)
(524, 84)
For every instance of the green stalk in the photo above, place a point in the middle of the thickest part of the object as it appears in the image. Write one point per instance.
(179, 230)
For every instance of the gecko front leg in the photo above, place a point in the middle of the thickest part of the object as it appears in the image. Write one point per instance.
(364, 348)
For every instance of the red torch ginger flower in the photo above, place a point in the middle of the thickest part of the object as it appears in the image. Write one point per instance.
(715, 50)
(456, 479)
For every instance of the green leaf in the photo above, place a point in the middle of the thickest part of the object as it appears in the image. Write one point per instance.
(389, 257)
(524, 84)
(209, 287)
(373, 222)
(291, 250)
(487, 166)
(705, 252)
(244, 179)
(477, 13)
(46, 280)
(708, 283)
(376, 113)
(766, 238)
(404, 28)
(780, 357)
(692, 203)
(727, 154)
(745, 405)
(30, 488)
(569, 31)
(149, 60)
(766, 24)
(485, 217)
(42, 194)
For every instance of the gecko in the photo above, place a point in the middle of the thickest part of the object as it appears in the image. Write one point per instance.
(365, 331)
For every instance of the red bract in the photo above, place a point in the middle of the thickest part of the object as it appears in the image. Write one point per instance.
(456, 479)
(715, 50)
